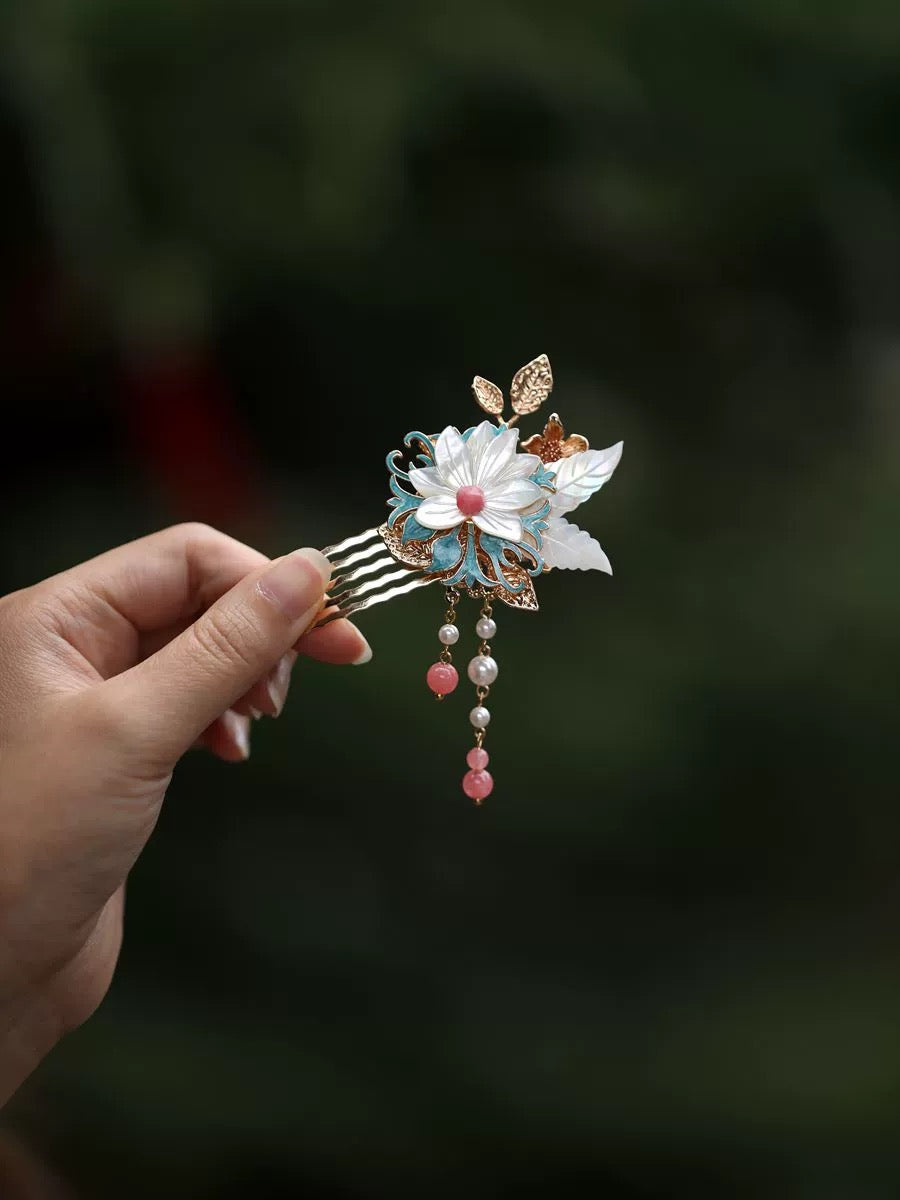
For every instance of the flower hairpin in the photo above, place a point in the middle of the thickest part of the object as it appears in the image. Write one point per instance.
(483, 516)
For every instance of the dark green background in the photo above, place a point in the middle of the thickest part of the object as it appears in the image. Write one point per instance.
(664, 958)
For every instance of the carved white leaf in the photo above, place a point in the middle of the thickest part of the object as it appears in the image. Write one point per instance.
(531, 385)
(580, 475)
(572, 549)
(488, 395)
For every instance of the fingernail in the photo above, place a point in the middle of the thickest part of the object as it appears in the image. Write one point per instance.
(280, 680)
(238, 728)
(365, 654)
(294, 583)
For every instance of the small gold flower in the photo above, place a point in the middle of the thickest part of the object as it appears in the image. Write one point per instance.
(552, 445)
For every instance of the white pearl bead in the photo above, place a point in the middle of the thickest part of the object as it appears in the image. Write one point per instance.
(486, 628)
(448, 634)
(480, 717)
(483, 670)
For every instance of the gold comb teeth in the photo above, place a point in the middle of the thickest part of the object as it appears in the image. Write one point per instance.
(347, 595)
(483, 516)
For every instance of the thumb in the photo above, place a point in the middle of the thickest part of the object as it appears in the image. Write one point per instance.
(177, 692)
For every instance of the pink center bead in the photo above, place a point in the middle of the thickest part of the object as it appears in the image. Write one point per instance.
(477, 758)
(477, 785)
(442, 678)
(470, 501)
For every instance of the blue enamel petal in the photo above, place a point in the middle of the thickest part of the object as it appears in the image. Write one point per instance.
(401, 502)
(446, 551)
(413, 531)
(494, 548)
(424, 441)
(470, 573)
(543, 478)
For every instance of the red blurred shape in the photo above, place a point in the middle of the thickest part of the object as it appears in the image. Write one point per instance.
(191, 438)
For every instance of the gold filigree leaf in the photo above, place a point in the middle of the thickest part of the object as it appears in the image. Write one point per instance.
(488, 395)
(531, 385)
(413, 554)
(526, 599)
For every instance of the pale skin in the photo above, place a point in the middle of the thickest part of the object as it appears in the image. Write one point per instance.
(109, 673)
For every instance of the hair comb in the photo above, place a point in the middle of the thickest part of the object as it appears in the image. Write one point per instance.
(484, 517)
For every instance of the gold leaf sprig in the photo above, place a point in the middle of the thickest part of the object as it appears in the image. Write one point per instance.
(531, 386)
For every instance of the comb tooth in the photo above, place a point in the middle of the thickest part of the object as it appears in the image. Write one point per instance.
(355, 606)
(342, 564)
(348, 543)
(346, 596)
(372, 585)
(340, 583)
(366, 569)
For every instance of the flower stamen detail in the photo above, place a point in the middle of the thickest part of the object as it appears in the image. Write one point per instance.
(470, 501)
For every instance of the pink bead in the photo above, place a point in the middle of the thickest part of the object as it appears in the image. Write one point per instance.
(442, 678)
(477, 758)
(470, 501)
(477, 785)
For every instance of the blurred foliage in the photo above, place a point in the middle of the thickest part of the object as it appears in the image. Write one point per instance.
(663, 959)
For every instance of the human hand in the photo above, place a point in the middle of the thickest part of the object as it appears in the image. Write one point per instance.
(109, 672)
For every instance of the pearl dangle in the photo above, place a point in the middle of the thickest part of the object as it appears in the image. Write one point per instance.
(478, 783)
(442, 677)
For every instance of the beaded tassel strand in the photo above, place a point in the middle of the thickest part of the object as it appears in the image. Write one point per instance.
(442, 676)
(478, 783)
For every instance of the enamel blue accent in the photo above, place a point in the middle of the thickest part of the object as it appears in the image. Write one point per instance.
(393, 466)
(446, 551)
(543, 478)
(533, 524)
(424, 441)
(413, 531)
(535, 521)
(494, 548)
(401, 502)
(469, 572)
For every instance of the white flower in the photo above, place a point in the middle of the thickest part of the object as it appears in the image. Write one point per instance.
(483, 480)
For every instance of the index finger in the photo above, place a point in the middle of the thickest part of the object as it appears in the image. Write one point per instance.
(158, 580)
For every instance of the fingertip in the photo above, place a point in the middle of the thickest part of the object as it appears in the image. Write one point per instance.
(279, 681)
(339, 642)
(365, 654)
(218, 739)
(234, 740)
(319, 561)
(257, 703)
(294, 585)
